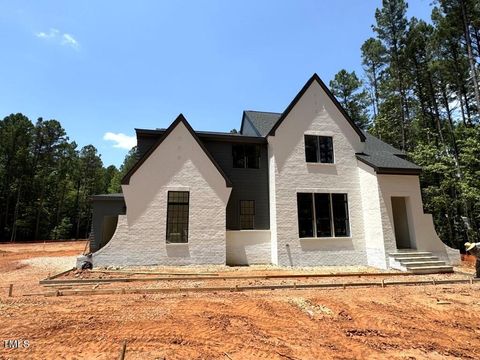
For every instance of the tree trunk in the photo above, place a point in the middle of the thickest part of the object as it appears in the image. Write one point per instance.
(450, 122)
(433, 99)
(15, 215)
(471, 59)
(39, 213)
(77, 208)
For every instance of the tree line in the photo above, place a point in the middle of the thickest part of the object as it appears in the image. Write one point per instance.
(419, 91)
(46, 181)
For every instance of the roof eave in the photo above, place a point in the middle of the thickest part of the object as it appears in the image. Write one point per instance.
(398, 171)
(390, 171)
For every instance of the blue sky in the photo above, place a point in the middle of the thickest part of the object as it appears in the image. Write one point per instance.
(109, 66)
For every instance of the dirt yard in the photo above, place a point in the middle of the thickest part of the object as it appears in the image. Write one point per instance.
(398, 322)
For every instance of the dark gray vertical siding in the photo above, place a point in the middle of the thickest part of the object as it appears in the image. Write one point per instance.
(248, 184)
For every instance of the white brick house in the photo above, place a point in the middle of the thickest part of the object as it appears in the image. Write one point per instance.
(305, 187)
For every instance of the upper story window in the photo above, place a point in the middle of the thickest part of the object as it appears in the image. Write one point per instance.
(319, 149)
(246, 156)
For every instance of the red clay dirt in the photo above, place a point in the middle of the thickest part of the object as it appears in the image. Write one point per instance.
(404, 322)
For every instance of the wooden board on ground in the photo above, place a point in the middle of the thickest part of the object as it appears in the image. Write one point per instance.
(293, 286)
(217, 277)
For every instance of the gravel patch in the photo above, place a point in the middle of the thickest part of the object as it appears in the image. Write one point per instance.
(52, 263)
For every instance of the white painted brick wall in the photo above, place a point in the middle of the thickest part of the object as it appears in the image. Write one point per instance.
(372, 217)
(315, 114)
(247, 247)
(179, 164)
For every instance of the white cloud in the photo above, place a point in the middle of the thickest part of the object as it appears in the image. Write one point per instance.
(57, 36)
(122, 141)
(69, 40)
(51, 34)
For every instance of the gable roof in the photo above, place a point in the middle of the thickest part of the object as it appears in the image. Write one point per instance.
(262, 121)
(179, 119)
(289, 108)
(385, 159)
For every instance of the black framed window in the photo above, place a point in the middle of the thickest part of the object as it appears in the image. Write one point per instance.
(340, 214)
(305, 214)
(319, 149)
(323, 215)
(247, 214)
(246, 156)
(177, 216)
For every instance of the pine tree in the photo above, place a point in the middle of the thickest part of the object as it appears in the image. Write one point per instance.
(373, 61)
(348, 90)
(391, 27)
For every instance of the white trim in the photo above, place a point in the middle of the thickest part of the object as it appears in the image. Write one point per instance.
(326, 238)
(319, 163)
(323, 190)
(176, 188)
(248, 230)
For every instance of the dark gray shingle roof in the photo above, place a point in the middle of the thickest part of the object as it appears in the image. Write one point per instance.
(383, 157)
(262, 121)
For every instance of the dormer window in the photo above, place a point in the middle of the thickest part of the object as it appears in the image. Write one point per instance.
(319, 149)
(246, 156)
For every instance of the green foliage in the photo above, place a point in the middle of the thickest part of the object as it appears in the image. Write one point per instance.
(116, 181)
(429, 84)
(45, 182)
(421, 87)
(348, 90)
(62, 230)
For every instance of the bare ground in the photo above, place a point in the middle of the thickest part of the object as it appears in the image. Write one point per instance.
(408, 322)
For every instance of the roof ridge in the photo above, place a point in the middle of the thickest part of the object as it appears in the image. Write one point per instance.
(265, 112)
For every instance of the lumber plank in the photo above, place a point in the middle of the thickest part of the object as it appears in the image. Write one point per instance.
(150, 273)
(295, 286)
(60, 274)
(218, 277)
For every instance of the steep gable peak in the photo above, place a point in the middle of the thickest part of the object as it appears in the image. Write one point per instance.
(316, 79)
(180, 119)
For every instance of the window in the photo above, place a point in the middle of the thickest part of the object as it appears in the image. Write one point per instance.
(246, 156)
(247, 214)
(323, 215)
(305, 215)
(177, 217)
(319, 149)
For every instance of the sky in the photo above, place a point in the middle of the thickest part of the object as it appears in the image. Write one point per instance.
(103, 68)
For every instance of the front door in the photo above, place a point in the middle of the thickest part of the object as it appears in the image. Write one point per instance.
(400, 223)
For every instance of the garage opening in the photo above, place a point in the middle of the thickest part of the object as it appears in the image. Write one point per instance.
(400, 223)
